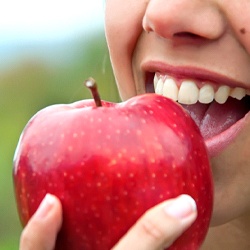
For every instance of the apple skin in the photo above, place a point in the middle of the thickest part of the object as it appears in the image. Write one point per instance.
(109, 164)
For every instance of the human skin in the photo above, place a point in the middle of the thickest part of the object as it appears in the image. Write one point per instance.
(208, 39)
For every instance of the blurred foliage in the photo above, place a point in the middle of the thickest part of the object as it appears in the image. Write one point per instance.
(30, 85)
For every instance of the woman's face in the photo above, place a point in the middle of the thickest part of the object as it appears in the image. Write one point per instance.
(200, 52)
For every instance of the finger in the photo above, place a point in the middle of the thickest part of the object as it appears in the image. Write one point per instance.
(160, 226)
(41, 231)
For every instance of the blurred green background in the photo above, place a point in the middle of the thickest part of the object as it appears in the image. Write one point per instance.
(44, 74)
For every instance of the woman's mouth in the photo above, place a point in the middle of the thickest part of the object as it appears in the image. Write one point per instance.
(218, 110)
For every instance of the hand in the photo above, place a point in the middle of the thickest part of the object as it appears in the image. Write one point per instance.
(41, 230)
(158, 228)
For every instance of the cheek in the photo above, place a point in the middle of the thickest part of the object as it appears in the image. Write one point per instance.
(231, 171)
(238, 15)
(123, 26)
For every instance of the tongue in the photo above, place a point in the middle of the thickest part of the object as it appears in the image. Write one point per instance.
(215, 118)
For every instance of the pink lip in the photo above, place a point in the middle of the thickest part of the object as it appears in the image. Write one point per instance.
(218, 143)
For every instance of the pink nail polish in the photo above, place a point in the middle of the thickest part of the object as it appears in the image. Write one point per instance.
(181, 207)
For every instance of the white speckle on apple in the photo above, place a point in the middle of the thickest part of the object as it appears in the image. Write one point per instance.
(152, 160)
(97, 215)
(118, 131)
(112, 162)
(72, 178)
(59, 160)
(93, 208)
(51, 143)
(108, 137)
(65, 174)
(181, 135)
(132, 159)
(70, 148)
(153, 187)
(102, 174)
(153, 175)
(108, 198)
(131, 175)
(118, 219)
(128, 131)
(139, 132)
(142, 151)
(99, 131)
(119, 155)
(98, 184)
(118, 175)
(75, 135)
(124, 150)
(116, 198)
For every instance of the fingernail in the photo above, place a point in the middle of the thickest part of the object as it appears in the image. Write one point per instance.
(45, 206)
(181, 207)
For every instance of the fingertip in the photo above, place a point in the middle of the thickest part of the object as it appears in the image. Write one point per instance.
(161, 225)
(49, 202)
(41, 231)
(181, 207)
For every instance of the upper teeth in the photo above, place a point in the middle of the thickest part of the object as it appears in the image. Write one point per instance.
(189, 93)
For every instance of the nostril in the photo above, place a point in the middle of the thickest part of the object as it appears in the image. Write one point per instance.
(186, 35)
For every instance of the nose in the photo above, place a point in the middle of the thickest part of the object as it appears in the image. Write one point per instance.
(184, 19)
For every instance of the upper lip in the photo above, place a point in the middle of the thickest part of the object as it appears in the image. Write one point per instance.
(190, 72)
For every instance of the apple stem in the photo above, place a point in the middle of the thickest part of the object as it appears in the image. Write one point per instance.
(91, 84)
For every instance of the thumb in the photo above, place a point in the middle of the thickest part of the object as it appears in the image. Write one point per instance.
(160, 226)
(41, 231)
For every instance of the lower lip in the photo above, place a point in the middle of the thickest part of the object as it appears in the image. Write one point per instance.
(219, 142)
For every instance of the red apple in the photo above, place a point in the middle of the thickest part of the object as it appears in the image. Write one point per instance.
(109, 164)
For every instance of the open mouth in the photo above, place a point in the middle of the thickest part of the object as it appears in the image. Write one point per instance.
(215, 108)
